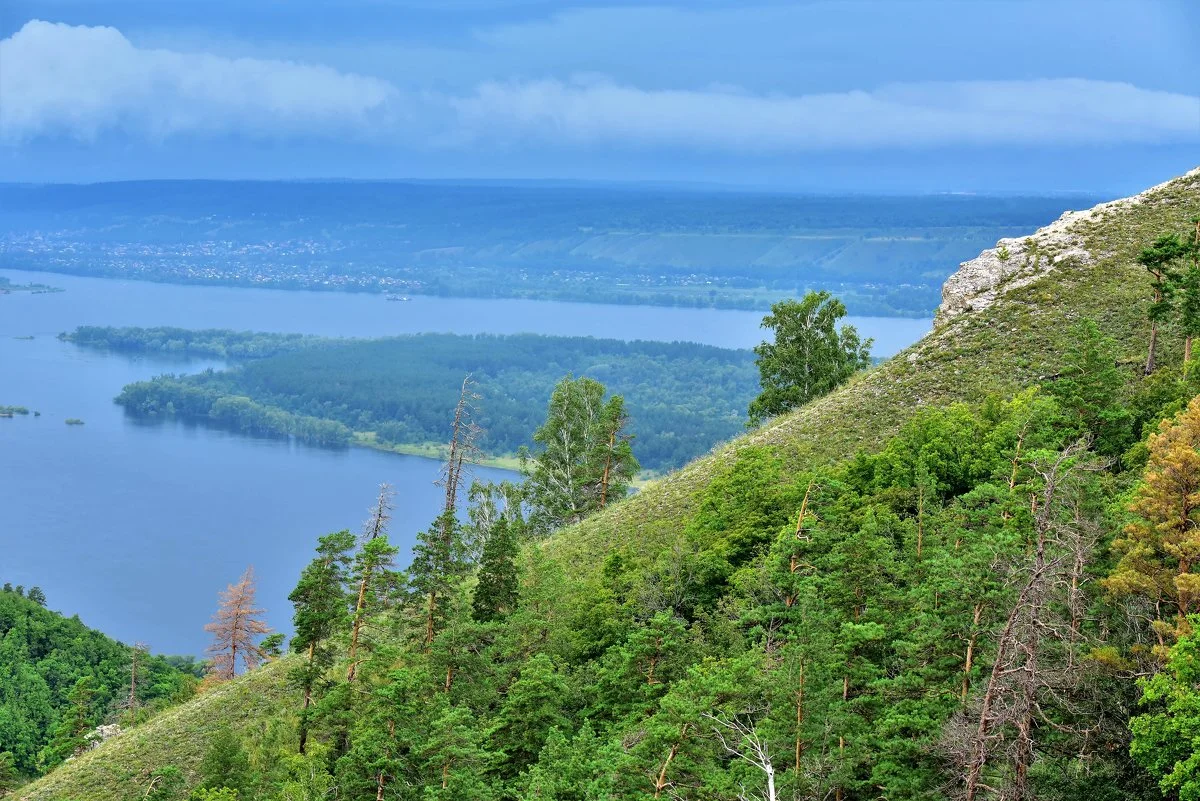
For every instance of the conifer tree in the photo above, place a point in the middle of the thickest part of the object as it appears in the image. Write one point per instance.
(226, 764)
(1160, 550)
(1160, 260)
(8, 773)
(374, 556)
(374, 575)
(440, 555)
(236, 627)
(320, 602)
(70, 735)
(496, 593)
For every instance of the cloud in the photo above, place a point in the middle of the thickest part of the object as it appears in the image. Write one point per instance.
(598, 111)
(82, 81)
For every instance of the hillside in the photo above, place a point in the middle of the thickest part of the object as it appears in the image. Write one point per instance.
(122, 767)
(598, 649)
(1084, 269)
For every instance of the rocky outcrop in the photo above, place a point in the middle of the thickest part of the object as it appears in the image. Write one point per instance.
(1017, 262)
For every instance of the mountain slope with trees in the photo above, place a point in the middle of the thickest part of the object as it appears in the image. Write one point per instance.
(941, 580)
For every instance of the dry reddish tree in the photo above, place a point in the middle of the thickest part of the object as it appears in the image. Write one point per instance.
(236, 627)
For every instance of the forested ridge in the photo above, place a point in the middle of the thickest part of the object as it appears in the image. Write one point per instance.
(682, 398)
(56, 669)
(968, 573)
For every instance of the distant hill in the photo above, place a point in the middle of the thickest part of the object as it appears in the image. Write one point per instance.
(883, 255)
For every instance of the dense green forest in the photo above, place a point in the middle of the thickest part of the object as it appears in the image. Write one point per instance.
(682, 398)
(969, 573)
(60, 679)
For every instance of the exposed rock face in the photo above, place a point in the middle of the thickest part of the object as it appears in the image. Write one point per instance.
(1016, 262)
(102, 733)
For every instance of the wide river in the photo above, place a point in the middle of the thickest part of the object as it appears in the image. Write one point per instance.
(136, 527)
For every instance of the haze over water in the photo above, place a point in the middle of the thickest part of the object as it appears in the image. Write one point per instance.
(141, 524)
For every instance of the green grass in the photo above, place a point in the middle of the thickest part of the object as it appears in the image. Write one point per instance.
(1013, 344)
(120, 769)
(430, 450)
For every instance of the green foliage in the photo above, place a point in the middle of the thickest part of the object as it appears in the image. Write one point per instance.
(46, 657)
(1166, 738)
(226, 766)
(682, 397)
(829, 591)
(497, 588)
(809, 355)
(583, 459)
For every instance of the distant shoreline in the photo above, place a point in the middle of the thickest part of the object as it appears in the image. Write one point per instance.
(755, 299)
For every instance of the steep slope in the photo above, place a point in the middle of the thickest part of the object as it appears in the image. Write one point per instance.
(122, 768)
(1006, 325)
(1012, 325)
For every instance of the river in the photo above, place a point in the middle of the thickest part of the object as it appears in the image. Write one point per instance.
(137, 526)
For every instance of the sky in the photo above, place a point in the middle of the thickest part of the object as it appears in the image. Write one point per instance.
(1098, 96)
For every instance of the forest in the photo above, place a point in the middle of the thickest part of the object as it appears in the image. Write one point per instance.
(979, 604)
(57, 673)
(682, 398)
(990, 596)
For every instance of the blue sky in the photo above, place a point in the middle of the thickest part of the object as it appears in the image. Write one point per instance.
(853, 95)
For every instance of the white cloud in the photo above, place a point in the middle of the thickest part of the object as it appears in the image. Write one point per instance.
(1038, 112)
(81, 81)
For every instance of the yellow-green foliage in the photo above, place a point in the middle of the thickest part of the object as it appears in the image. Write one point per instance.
(120, 769)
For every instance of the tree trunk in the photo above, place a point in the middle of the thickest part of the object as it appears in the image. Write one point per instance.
(1153, 343)
(612, 442)
(661, 783)
(312, 651)
(967, 664)
(799, 718)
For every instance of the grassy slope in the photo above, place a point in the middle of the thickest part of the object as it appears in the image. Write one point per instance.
(119, 769)
(1001, 349)
(1007, 346)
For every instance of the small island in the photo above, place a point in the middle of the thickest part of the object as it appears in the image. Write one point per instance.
(7, 287)
(9, 411)
(74, 421)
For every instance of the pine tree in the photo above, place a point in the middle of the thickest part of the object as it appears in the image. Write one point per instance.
(1161, 548)
(8, 773)
(70, 735)
(320, 602)
(496, 593)
(1160, 261)
(236, 627)
(226, 764)
(374, 558)
(439, 562)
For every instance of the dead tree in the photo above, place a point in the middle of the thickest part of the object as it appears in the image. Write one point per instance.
(1027, 670)
(463, 452)
(375, 527)
(739, 737)
(236, 627)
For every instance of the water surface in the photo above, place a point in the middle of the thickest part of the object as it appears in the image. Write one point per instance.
(136, 526)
